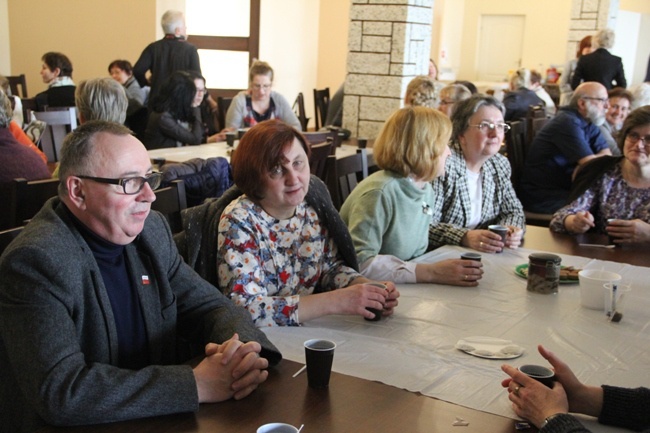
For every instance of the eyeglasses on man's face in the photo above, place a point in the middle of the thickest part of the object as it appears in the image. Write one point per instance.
(130, 185)
(591, 98)
(634, 138)
(489, 126)
(261, 86)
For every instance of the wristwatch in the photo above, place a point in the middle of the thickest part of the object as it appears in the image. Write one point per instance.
(548, 419)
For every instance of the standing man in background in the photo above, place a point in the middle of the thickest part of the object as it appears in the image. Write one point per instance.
(171, 53)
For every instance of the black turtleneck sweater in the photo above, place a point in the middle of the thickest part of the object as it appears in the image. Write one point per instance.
(125, 303)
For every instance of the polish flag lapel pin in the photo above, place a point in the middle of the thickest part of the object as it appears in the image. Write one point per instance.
(145, 280)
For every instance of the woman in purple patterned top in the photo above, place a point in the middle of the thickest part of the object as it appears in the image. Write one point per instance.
(612, 194)
(273, 247)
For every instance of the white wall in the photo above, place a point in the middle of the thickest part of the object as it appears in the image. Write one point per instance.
(289, 43)
(5, 59)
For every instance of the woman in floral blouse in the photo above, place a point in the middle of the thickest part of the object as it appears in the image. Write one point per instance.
(282, 239)
(612, 194)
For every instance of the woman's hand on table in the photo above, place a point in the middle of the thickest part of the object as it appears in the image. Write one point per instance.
(532, 400)
(514, 236)
(455, 272)
(579, 222)
(220, 136)
(628, 231)
(356, 298)
(484, 241)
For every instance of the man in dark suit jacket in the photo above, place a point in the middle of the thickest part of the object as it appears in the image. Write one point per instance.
(98, 312)
(600, 65)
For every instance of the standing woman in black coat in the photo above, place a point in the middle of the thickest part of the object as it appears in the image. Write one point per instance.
(600, 65)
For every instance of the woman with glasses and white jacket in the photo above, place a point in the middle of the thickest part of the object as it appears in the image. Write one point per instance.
(259, 102)
(475, 191)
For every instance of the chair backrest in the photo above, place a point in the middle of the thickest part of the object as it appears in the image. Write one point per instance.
(170, 201)
(59, 124)
(318, 136)
(516, 150)
(536, 116)
(321, 104)
(7, 236)
(28, 197)
(318, 158)
(16, 83)
(29, 105)
(223, 104)
(344, 174)
(299, 109)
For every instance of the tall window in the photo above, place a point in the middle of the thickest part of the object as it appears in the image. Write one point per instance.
(226, 32)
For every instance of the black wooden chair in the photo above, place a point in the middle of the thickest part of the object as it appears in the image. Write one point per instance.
(321, 104)
(299, 110)
(18, 85)
(223, 104)
(170, 201)
(344, 174)
(318, 158)
(515, 150)
(28, 197)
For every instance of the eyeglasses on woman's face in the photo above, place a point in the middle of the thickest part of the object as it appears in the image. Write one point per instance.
(634, 138)
(489, 126)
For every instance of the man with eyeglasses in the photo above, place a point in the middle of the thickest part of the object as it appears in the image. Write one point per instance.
(564, 144)
(98, 312)
(619, 103)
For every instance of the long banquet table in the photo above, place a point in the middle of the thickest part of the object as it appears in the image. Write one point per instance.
(211, 150)
(386, 372)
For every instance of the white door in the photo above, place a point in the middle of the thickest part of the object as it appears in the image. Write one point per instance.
(500, 46)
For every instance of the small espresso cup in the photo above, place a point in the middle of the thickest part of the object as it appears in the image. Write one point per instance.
(471, 256)
(230, 138)
(540, 373)
(376, 312)
(501, 231)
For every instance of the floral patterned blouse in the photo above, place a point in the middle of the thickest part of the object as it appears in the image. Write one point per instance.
(265, 264)
(610, 196)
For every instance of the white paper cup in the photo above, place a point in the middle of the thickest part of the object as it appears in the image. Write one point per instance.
(277, 427)
(592, 295)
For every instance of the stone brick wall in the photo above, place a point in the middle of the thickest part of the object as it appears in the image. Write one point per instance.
(587, 17)
(389, 44)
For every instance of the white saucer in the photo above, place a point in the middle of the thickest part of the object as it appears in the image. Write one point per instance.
(489, 347)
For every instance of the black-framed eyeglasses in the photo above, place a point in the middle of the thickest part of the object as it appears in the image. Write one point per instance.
(634, 138)
(489, 126)
(447, 102)
(130, 185)
(591, 98)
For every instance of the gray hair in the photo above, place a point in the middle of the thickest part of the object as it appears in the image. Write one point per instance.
(604, 38)
(171, 20)
(641, 94)
(521, 78)
(456, 92)
(464, 110)
(6, 113)
(78, 150)
(101, 99)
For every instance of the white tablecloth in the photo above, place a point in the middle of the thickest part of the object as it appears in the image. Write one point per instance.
(414, 349)
(211, 150)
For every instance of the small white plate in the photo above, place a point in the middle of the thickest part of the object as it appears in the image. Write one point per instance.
(490, 348)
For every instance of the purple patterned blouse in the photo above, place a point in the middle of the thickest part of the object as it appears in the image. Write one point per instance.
(610, 196)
